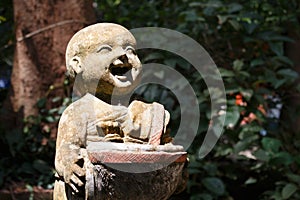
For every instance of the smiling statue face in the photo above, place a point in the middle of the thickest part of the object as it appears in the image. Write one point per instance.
(104, 59)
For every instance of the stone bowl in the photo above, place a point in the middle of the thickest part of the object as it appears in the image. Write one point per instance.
(135, 171)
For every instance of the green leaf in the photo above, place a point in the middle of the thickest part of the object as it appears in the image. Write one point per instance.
(61, 110)
(53, 110)
(56, 99)
(191, 16)
(2, 19)
(261, 155)
(244, 144)
(237, 65)
(279, 83)
(222, 18)
(41, 103)
(41, 166)
(277, 48)
(281, 158)
(232, 117)
(211, 7)
(250, 180)
(14, 140)
(271, 144)
(285, 60)
(159, 74)
(210, 168)
(26, 167)
(250, 27)
(183, 64)
(226, 73)
(196, 4)
(234, 7)
(170, 62)
(66, 82)
(288, 190)
(50, 119)
(288, 73)
(256, 62)
(246, 93)
(281, 38)
(215, 185)
(230, 89)
(243, 74)
(179, 84)
(276, 195)
(235, 24)
(265, 35)
(248, 131)
(68, 100)
(214, 3)
(294, 178)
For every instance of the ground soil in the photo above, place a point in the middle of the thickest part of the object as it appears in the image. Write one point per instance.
(18, 191)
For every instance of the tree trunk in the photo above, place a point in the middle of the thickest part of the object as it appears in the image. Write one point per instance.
(290, 113)
(43, 29)
(292, 116)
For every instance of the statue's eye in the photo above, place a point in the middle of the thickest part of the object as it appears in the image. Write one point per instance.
(130, 49)
(104, 48)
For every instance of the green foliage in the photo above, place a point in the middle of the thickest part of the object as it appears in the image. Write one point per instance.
(25, 156)
(28, 154)
(256, 157)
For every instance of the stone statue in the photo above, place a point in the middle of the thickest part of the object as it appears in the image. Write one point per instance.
(102, 57)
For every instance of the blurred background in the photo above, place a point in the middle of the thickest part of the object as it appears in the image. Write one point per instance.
(254, 43)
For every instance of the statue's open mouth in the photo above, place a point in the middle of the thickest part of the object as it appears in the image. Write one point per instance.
(121, 71)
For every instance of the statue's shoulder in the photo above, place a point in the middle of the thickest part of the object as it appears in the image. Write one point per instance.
(84, 105)
(78, 106)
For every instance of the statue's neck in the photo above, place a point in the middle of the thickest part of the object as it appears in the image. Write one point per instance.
(114, 100)
(124, 100)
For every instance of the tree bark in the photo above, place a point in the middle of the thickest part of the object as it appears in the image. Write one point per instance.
(292, 116)
(43, 29)
(290, 113)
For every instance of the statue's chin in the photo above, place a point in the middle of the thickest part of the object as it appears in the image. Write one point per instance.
(124, 84)
(122, 81)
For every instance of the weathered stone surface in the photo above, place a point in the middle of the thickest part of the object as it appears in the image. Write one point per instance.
(141, 157)
(135, 171)
(103, 59)
(106, 183)
(159, 184)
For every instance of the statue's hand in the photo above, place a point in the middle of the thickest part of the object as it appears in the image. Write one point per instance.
(125, 121)
(73, 170)
(122, 118)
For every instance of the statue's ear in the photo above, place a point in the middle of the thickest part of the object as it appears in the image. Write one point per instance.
(75, 65)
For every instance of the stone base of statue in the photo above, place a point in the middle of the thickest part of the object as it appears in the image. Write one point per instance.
(133, 171)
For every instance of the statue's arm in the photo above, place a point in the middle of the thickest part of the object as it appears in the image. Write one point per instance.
(71, 137)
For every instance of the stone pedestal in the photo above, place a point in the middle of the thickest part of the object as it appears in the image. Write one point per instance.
(134, 171)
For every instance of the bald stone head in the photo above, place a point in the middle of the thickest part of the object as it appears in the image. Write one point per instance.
(103, 59)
